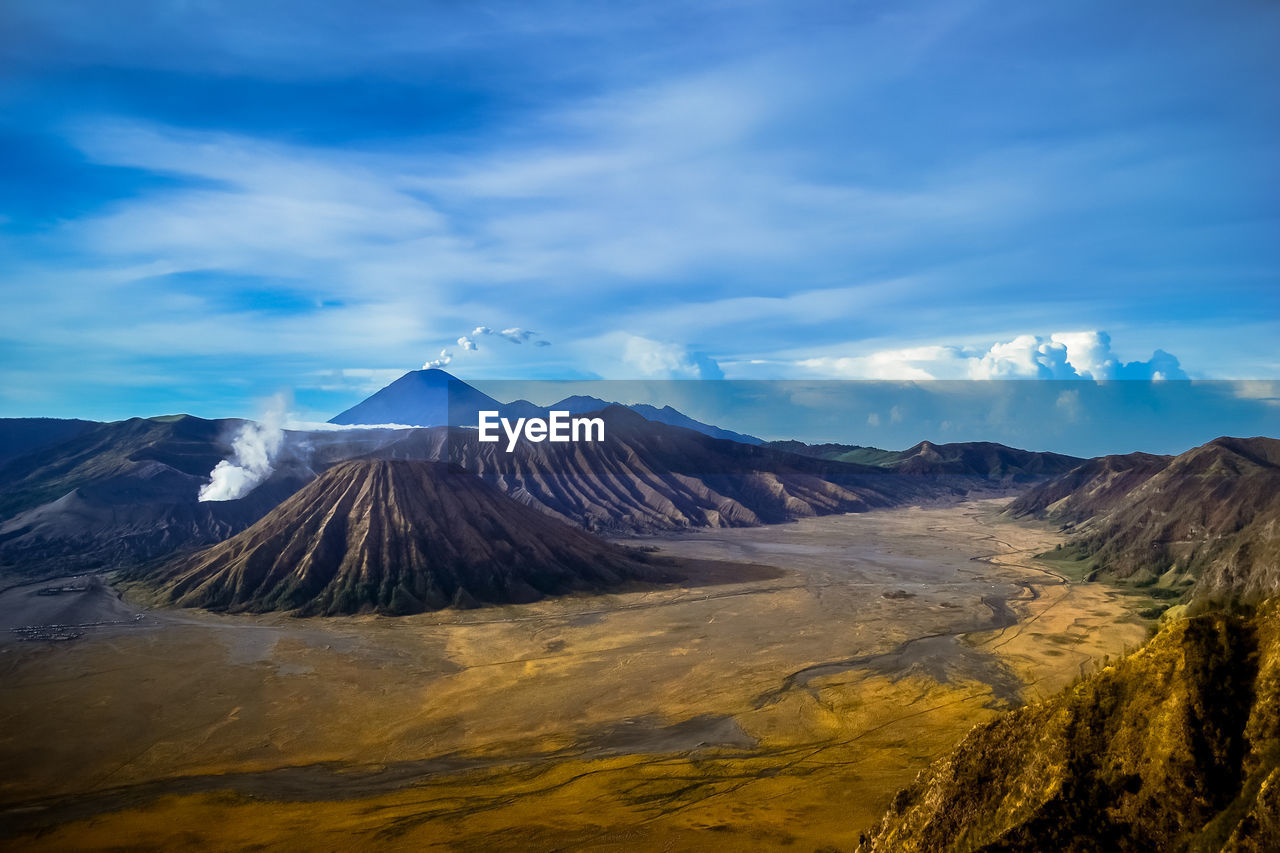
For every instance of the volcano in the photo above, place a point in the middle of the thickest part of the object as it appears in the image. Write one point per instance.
(421, 398)
(398, 537)
(436, 398)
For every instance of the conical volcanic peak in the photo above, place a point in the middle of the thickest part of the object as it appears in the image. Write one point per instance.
(422, 398)
(397, 537)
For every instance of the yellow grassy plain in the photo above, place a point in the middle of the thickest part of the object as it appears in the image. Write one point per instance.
(780, 712)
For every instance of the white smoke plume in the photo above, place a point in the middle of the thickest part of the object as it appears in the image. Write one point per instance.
(444, 359)
(471, 342)
(253, 453)
(516, 334)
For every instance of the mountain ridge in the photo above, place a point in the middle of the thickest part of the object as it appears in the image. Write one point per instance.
(1210, 515)
(647, 476)
(124, 492)
(435, 397)
(988, 460)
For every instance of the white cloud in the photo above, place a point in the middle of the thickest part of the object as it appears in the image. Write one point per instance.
(666, 360)
(1263, 390)
(1090, 353)
(1063, 355)
(467, 344)
(919, 363)
(1024, 357)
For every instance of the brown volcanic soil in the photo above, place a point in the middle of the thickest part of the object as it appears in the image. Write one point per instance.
(398, 537)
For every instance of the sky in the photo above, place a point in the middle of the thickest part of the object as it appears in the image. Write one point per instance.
(203, 204)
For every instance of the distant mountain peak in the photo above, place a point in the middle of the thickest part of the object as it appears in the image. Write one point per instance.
(429, 397)
(433, 397)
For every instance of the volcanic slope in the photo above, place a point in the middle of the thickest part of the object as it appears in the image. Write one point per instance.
(398, 537)
(648, 476)
(1210, 515)
(123, 492)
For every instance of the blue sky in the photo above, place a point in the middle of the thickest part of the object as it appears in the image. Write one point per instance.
(202, 204)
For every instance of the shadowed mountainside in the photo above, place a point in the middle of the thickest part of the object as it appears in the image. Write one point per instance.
(398, 537)
(124, 492)
(649, 476)
(987, 460)
(1211, 515)
(1097, 486)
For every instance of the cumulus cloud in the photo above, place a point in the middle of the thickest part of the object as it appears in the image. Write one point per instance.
(253, 453)
(467, 344)
(1024, 357)
(668, 360)
(1062, 355)
(1091, 357)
